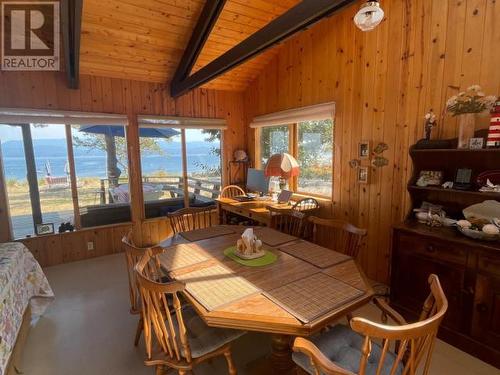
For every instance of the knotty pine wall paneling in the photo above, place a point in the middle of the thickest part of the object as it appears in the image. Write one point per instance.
(47, 90)
(383, 82)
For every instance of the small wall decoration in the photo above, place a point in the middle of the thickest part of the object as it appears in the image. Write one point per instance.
(364, 150)
(430, 178)
(379, 161)
(476, 143)
(381, 147)
(363, 175)
(43, 229)
(354, 163)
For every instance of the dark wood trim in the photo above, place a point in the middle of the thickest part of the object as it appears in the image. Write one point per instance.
(201, 32)
(29, 154)
(71, 24)
(72, 176)
(303, 15)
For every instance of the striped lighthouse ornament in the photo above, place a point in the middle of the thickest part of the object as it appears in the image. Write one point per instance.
(494, 132)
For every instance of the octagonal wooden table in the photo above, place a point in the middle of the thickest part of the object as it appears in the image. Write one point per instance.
(258, 312)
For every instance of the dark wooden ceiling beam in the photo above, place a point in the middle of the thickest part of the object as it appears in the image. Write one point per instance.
(303, 15)
(71, 24)
(208, 17)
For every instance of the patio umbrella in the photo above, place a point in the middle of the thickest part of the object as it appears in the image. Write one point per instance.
(282, 165)
(119, 131)
(112, 131)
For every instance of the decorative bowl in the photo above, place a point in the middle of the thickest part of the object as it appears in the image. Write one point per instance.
(478, 235)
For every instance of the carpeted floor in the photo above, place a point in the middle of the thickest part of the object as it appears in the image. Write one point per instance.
(88, 330)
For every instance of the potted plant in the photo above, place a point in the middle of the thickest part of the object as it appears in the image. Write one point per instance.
(465, 106)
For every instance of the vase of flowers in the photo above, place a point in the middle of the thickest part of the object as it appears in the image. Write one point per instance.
(465, 106)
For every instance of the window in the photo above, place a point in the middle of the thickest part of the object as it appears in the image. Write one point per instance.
(315, 157)
(58, 174)
(164, 168)
(305, 133)
(101, 169)
(161, 164)
(273, 140)
(203, 151)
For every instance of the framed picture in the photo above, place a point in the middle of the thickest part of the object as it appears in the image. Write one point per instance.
(363, 174)
(46, 228)
(364, 150)
(476, 143)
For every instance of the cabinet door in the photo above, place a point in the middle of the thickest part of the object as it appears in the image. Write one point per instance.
(409, 287)
(486, 315)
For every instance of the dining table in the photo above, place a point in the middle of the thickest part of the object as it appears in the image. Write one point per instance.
(297, 289)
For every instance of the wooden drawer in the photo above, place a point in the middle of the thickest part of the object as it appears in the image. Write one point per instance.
(433, 249)
(489, 263)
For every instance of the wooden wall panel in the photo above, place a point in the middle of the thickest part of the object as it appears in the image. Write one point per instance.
(383, 82)
(47, 90)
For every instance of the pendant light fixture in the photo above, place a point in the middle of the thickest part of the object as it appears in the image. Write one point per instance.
(369, 16)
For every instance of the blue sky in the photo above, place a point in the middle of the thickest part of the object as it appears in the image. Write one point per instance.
(13, 133)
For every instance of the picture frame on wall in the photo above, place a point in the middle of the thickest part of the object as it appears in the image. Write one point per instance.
(364, 150)
(363, 175)
(44, 229)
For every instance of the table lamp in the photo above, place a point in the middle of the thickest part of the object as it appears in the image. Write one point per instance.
(283, 166)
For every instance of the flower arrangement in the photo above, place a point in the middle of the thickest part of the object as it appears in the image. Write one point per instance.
(430, 123)
(473, 100)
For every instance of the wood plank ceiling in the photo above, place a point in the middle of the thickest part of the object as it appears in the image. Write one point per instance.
(145, 41)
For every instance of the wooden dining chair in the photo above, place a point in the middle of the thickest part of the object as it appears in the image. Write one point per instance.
(306, 205)
(132, 255)
(287, 221)
(347, 351)
(176, 338)
(191, 218)
(232, 191)
(345, 237)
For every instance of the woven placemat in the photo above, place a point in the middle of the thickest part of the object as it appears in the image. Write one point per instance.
(265, 260)
(205, 233)
(180, 256)
(313, 296)
(349, 273)
(272, 237)
(216, 286)
(316, 255)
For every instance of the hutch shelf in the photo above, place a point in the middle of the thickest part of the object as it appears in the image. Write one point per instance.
(469, 270)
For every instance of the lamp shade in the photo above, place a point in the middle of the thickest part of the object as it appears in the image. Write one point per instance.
(282, 165)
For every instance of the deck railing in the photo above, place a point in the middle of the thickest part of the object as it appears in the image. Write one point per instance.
(203, 189)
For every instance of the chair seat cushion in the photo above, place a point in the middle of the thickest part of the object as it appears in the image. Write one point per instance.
(343, 347)
(202, 338)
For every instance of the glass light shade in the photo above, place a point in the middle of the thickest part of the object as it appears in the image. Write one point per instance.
(369, 16)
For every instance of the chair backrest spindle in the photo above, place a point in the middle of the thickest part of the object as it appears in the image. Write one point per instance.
(161, 325)
(231, 191)
(192, 218)
(343, 236)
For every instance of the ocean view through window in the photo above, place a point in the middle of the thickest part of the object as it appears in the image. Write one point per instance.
(162, 168)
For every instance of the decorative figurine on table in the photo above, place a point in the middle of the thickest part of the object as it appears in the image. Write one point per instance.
(430, 123)
(249, 246)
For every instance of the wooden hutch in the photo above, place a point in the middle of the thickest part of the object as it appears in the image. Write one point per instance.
(469, 270)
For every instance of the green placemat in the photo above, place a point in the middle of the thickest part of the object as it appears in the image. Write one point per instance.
(267, 259)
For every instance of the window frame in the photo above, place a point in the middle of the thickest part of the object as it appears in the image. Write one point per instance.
(293, 147)
(183, 125)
